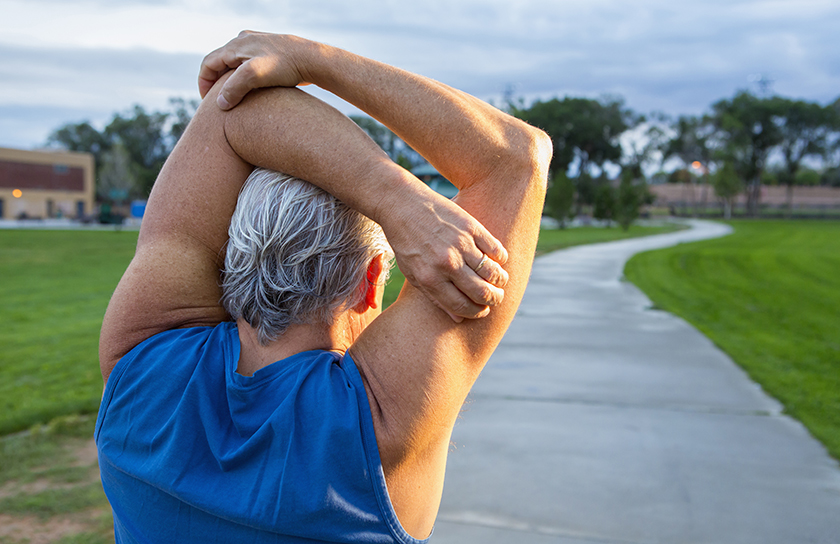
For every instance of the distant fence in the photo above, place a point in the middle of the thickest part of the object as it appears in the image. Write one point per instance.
(700, 199)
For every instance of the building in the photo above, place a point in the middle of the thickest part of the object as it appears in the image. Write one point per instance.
(45, 184)
(678, 195)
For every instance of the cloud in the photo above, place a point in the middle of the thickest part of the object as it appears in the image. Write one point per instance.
(100, 57)
(42, 89)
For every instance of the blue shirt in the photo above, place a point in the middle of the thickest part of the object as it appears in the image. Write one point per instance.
(191, 451)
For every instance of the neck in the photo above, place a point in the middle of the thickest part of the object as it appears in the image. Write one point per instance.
(296, 339)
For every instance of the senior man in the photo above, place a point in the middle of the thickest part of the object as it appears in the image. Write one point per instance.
(254, 393)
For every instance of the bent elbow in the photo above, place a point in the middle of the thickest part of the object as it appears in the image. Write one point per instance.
(531, 155)
(542, 149)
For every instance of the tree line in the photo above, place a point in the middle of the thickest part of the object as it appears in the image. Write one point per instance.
(602, 149)
(130, 151)
(741, 143)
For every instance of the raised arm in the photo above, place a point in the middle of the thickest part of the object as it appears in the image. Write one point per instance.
(418, 365)
(173, 280)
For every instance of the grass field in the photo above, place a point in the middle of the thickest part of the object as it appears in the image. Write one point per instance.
(56, 285)
(49, 486)
(768, 295)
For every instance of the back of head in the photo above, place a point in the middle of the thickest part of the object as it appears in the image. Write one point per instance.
(296, 254)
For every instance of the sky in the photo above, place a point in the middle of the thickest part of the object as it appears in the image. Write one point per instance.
(68, 61)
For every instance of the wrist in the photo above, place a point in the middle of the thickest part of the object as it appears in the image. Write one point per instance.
(396, 193)
(309, 61)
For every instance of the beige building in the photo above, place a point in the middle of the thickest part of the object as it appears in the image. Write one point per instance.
(45, 184)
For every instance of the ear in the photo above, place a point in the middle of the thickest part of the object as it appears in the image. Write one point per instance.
(373, 283)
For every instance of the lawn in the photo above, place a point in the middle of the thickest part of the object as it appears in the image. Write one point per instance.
(56, 285)
(49, 486)
(769, 296)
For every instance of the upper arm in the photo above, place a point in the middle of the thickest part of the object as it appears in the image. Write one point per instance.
(173, 279)
(418, 363)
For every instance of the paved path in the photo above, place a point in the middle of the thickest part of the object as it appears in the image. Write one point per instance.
(599, 420)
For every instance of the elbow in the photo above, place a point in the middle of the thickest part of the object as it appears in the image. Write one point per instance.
(542, 150)
(530, 156)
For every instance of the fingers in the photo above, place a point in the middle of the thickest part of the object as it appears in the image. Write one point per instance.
(487, 269)
(475, 278)
(455, 303)
(479, 290)
(491, 247)
(240, 83)
(233, 56)
(214, 66)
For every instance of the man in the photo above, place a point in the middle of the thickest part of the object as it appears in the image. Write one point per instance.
(302, 425)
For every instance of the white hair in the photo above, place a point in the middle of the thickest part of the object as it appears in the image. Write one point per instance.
(296, 254)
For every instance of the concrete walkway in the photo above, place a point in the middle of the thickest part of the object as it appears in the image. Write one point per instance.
(599, 420)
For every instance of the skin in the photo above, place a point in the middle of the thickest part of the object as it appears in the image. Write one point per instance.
(418, 359)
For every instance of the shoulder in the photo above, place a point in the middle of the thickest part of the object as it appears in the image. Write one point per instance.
(167, 360)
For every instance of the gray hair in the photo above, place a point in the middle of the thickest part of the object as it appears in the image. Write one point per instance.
(296, 254)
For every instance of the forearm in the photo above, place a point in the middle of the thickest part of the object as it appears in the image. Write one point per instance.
(465, 138)
(288, 130)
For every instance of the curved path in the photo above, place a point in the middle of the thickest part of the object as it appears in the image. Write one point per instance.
(600, 420)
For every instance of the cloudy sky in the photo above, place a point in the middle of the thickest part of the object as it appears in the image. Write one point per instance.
(67, 61)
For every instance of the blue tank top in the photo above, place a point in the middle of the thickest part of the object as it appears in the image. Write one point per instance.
(191, 451)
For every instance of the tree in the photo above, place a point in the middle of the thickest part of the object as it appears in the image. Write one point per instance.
(585, 189)
(727, 186)
(691, 144)
(581, 129)
(747, 132)
(643, 149)
(182, 112)
(81, 137)
(605, 202)
(805, 129)
(379, 133)
(116, 178)
(560, 198)
(399, 151)
(145, 140)
(632, 194)
(584, 132)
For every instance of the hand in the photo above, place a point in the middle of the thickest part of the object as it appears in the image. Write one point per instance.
(438, 246)
(258, 60)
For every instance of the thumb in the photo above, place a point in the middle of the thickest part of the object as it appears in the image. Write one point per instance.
(240, 82)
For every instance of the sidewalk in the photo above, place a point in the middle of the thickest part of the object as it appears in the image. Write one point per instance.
(599, 420)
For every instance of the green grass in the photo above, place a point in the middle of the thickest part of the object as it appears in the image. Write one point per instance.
(44, 481)
(769, 296)
(56, 286)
